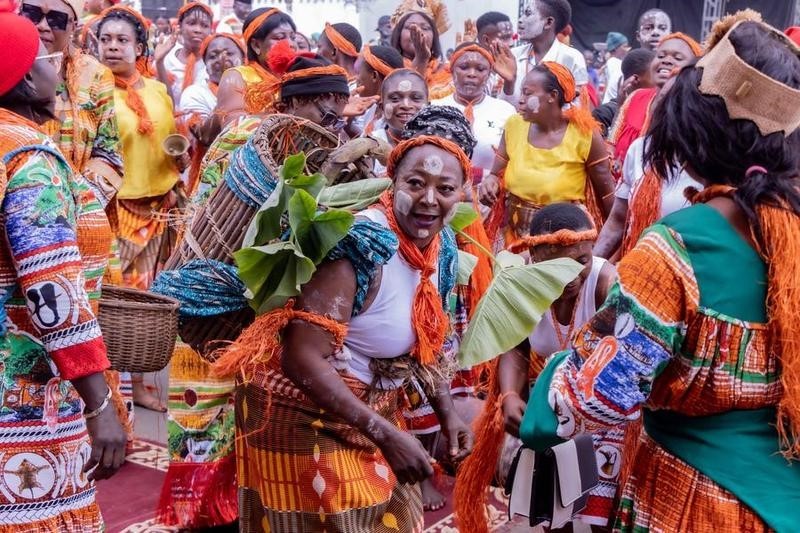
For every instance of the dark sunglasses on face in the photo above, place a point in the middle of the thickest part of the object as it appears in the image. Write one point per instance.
(330, 120)
(57, 20)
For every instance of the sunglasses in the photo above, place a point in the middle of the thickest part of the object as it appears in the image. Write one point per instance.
(57, 20)
(330, 120)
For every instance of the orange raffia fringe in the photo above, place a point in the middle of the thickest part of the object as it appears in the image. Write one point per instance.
(497, 215)
(254, 26)
(260, 97)
(577, 114)
(562, 237)
(403, 147)
(339, 41)
(135, 102)
(428, 319)
(644, 209)
(261, 341)
(328, 70)
(378, 64)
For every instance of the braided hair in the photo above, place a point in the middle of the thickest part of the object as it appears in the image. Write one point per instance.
(139, 30)
(442, 121)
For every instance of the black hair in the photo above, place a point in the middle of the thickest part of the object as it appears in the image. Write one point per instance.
(388, 55)
(636, 62)
(442, 121)
(560, 10)
(492, 18)
(140, 32)
(551, 83)
(693, 129)
(266, 28)
(347, 31)
(651, 12)
(199, 7)
(436, 45)
(404, 72)
(562, 215)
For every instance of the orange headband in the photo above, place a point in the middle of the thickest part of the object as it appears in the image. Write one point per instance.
(329, 70)
(562, 237)
(576, 112)
(472, 48)
(207, 41)
(191, 5)
(339, 41)
(135, 14)
(375, 62)
(565, 79)
(697, 50)
(403, 147)
(256, 24)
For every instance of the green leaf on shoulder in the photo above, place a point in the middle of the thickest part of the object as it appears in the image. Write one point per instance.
(465, 215)
(312, 184)
(513, 305)
(293, 166)
(266, 224)
(317, 233)
(466, 264)
(273, 274)
(354, 195)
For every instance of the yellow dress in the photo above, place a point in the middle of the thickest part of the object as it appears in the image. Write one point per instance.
(149, 171)
(544, 176)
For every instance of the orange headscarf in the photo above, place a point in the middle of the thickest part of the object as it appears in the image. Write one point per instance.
(191, 58)
(469, 109)
(254, 26)
(697, 49)
(378, 64)
(577, 114)
(207, 41)
(339, 41)
(429, 319)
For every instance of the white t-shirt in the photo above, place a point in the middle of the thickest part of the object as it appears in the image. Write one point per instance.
(672, 197)
(175, 67)
(559, 53)
(490, 118)
(613, 77)
(230, 24)
(198, 98)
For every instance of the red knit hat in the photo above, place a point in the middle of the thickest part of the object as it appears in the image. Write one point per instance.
(19, 41)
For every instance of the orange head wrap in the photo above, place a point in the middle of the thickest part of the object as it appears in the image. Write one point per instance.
(697, 50)
(254, 26)
(577, 114)
(191, 57)
(378, 64)
(339, 41)
(185, 8)
(562, 237)
(207, 41)
(402, 148)
(472, 48)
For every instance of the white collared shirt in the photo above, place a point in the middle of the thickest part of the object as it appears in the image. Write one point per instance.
(559, 53)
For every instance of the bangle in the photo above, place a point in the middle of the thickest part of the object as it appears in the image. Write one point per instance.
(96, 412)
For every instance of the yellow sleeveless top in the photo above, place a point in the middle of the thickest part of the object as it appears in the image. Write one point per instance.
(545, 176)
(248, 73)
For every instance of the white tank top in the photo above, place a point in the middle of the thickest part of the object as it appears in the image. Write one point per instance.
(384, 330)
(544, 340)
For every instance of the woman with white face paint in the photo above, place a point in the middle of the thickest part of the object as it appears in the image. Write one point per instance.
(552, 151)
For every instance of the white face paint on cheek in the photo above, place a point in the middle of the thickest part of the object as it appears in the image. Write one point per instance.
(403, 202)
(404, 85)
(533, 103)
(433, 165)
(129, 55)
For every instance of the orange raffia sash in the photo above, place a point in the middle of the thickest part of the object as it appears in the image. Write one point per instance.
(135, 102)
(428, 318)
(260, 97)
(644, 209)
(261, 340)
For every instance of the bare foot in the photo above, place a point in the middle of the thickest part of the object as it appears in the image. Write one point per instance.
(432, 499)
(144, 398)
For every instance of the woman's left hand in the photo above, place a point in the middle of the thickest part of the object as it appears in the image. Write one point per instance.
(459, 436)
(183, 161)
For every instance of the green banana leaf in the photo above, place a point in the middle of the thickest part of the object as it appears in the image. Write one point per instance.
(513, 305)
(292, 166)
(465, 215)
(266, 224)
(355, 195)
(466, 264)
(316, 233)
(272, 274)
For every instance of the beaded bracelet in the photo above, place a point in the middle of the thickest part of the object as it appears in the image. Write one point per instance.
(96, 412)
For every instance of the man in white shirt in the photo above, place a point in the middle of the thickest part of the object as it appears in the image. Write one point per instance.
(233, 23)
(617, 47)
(539, 24)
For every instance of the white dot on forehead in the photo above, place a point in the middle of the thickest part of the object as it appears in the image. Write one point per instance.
(433, 165)
(404, 85)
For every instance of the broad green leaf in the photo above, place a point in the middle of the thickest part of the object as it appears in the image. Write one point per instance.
(507, 259)
(266, 224)
(293, 166)
(465, 215)
(273, 274)
(466, 264)
(354, 195)
(302, 208)
(312, 184)
(512, 307)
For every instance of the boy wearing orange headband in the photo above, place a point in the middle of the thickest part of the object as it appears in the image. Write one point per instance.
(179, 66)
(340, 44)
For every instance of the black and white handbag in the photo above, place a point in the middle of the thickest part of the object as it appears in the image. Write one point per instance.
(552, 486)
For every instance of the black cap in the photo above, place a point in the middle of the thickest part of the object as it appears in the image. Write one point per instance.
(313, 85)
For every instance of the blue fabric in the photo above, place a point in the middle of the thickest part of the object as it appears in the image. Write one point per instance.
(448, 265)
(367, 246)
(203, 287)
(248, 178)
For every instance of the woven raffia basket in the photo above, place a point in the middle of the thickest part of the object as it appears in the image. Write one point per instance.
(139, 328)
(218, 228)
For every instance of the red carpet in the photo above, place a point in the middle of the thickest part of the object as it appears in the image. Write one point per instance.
(128, 500)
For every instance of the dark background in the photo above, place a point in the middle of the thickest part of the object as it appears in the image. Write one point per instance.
(592, 19)
(153, 8)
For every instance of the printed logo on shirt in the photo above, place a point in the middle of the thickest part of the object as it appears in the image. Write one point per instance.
(603, 354)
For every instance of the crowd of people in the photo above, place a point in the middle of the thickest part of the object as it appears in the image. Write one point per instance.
(666, 171)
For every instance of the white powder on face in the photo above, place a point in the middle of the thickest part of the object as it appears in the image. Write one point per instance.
(404, 85)
(423, 233)
(429, 196)
(433, 165)
(403, 202)
(533, 103)
(129, 55)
